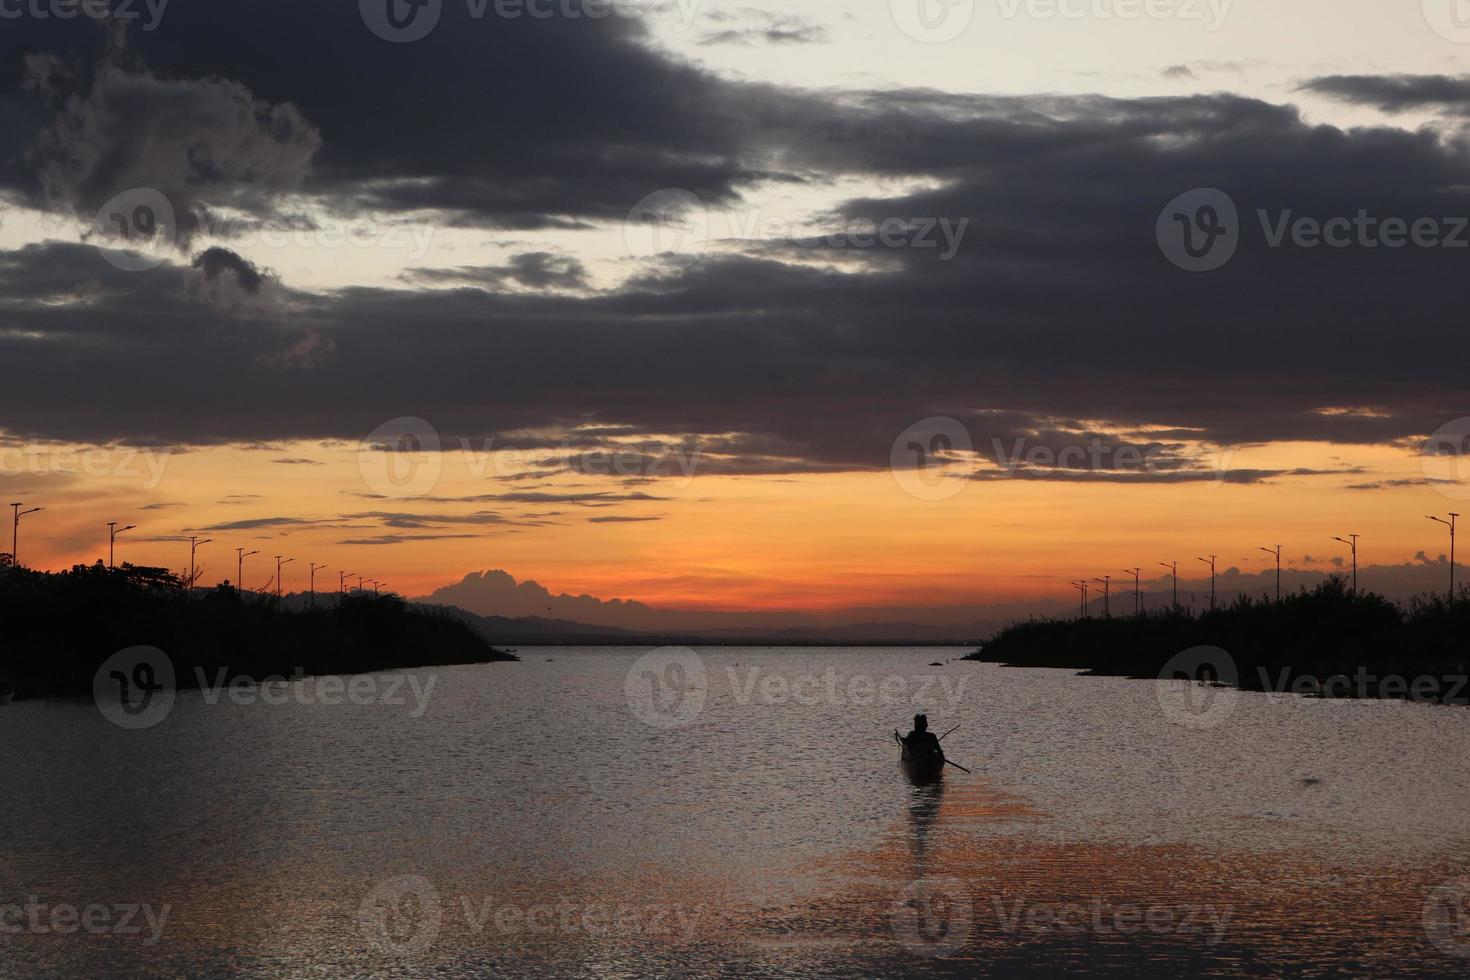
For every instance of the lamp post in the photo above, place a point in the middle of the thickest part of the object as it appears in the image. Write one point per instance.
(1277, 552)
(112, 532)
(240, 555)
(1174, 565)
(17, 514)
(1451, 524)
(1107, 583)
(1137, 592)
(342, 583)
(312, 586)
(279, 562)
(1354, 545)
(1211, 562)
(194, 544)
(1081, 588)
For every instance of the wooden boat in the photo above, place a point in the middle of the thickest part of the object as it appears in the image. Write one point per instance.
(921, 767)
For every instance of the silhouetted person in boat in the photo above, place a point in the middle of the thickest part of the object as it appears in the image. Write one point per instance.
(921, 740)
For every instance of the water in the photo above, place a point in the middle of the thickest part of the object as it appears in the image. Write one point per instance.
(525, 821)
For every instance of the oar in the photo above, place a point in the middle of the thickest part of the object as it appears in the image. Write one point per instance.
(949, 733)
(959, 767)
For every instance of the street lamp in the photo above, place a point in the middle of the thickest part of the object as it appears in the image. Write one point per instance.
(240, 555)
(194, 544)
(342, 583)
(1354, 545)
(312, 586)
(112, 532)
(15, 529)
(1081, 588)
(1107, 582)
(1277, 552)
(279, 562)
(1174, 565)
(1137, 593)
(1211, 562)
(1451, 524)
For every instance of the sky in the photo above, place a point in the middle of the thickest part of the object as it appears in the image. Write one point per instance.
(902, 305)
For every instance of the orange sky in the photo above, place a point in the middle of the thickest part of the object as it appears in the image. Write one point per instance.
(793, 542)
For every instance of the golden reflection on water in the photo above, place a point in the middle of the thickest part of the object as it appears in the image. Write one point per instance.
(1003, 903)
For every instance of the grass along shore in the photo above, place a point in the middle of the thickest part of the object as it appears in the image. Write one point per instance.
(1327, 642)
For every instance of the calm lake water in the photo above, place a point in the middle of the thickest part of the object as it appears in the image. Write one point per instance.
(734, 812)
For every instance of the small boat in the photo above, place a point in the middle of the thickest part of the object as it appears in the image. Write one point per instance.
(924, 766)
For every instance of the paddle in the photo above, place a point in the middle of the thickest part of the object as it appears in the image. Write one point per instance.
(959, 767)
(949, 733)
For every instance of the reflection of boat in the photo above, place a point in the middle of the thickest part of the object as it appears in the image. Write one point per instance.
(7, 691)
(923, 765)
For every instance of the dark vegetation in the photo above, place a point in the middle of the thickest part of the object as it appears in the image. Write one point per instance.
(1329, 641)
(58, 628)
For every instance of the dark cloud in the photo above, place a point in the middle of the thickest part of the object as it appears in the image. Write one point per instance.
(216, 262)
(533, 270)
(1055, 317)
(1397, 93)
